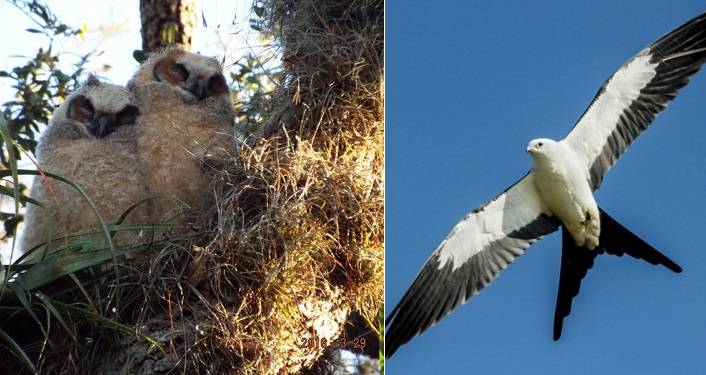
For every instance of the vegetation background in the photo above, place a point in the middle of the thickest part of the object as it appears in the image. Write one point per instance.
(293, 250)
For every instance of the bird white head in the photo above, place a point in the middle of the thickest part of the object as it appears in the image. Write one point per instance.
(541, 146)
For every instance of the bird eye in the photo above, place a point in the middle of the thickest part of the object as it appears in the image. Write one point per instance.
(217, 85)
(179, 72)
(86, 105)
(540, 144)
(127, 116)
(80, 109)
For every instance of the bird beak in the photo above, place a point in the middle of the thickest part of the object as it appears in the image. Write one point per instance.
(102, 126)
(199, 89)
(529, 149)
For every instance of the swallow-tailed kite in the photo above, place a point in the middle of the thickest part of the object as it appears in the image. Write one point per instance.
(557, 192)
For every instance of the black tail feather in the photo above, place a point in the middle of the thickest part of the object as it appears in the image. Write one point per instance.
(615, 239)
(575, 263)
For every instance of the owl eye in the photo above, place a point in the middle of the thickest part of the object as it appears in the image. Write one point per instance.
(86, 106)
(80, 109)
(127, 116)
(217, 85)
(179, 72)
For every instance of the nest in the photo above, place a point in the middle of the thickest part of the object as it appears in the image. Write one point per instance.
(294, 244)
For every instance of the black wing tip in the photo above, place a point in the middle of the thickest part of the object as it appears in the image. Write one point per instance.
(692, 26)
(558, 326)
(413, 314)
(391, 351)
(395, 336)
(394, 339)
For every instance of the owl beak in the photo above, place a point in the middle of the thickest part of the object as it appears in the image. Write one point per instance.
(199, 89)
(102, 126)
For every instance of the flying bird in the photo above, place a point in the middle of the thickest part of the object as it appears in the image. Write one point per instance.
(556, 193)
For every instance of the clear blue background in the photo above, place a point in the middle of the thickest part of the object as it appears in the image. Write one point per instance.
(468, 85)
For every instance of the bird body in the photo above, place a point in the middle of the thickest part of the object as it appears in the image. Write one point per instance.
(187, 118)
(90, 141)
(563, 184)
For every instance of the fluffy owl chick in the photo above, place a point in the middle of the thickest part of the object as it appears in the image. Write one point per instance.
(90, 140)
(186, 119)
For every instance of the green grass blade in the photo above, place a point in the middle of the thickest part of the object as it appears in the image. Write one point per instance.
(113, 228)
(78, 188)
(9, 144)
(83, 290)
(88, 200)
(21, 295)
(53, 268)
(53, 310)
(77, 246)
(17, 350)
(4, 190)
(123, 216)
(381, 324)
(109, 323)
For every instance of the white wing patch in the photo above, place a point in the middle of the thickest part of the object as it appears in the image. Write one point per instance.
(508, 212)
(603, 115)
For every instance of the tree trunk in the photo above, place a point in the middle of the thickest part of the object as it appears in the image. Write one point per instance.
(167, 22)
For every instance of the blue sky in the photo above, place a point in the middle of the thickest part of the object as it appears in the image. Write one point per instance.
(468, 84)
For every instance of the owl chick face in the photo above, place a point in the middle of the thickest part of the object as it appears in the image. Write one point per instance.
(194, 75)
(98, 109)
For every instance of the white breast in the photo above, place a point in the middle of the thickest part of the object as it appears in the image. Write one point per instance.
(562, 183)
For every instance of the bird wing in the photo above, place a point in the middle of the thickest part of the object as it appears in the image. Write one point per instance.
(629, 101)
(615, 239)
(481, 245)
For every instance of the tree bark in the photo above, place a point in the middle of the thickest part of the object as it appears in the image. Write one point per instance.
(167, 22)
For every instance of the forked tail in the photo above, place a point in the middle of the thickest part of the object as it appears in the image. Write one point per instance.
(615, 239)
